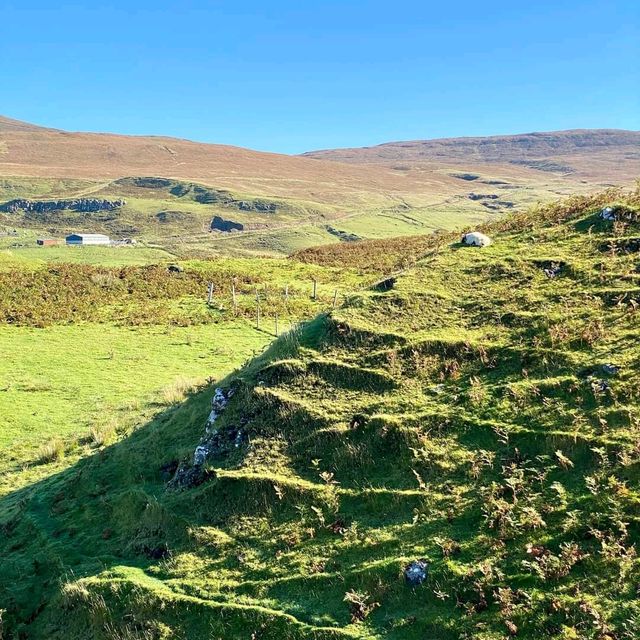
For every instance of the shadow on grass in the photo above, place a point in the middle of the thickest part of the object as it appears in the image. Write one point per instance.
(111, 508)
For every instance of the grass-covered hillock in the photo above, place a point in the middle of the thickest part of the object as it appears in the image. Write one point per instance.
(479, 416)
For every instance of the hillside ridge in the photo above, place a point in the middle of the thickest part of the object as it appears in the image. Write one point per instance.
(490, 148)
(451, 455)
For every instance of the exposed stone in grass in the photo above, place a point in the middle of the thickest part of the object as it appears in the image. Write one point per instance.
(189, 476)
(470, 177)
(552, 269)
(415, 573)
(607, 214)
(476, 239)
(343, 236)
(385, 285)
(482, 196)
(358, 421)
(600, 386)
(620, 213)
(220, 224)
(611, 369)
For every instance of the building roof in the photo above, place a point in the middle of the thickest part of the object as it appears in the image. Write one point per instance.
(88, 236)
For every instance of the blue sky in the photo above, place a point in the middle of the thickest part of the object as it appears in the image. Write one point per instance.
(290, 76)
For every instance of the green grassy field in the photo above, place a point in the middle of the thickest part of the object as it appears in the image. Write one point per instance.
(73, 385)
(93, 349)
(479, 414)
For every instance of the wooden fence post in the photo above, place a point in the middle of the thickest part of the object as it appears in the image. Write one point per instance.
(234, 299)
(286, 293)
(335, 298)
(210, 293)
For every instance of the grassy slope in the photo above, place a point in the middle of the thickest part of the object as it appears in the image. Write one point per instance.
(98, 346)
(516, 479)
(64, 382)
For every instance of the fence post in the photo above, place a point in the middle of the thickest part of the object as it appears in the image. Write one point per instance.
(210, 293)
(286, 293)
(234, 299)
(335, 298)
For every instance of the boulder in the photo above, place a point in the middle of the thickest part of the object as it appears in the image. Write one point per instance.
(608, 214)
(220, 224)
(415, 573)
(476, 239)
(611, 369)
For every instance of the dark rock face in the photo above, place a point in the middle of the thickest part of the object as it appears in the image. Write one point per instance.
(85, 205)
(466, 176)
(544, 165)
(170, 216)
(481, 196)
(255, 205)
(220, 224)
(152, 183)
(496, 205)
(204, 195)
(189, 476)
(344, 236)
(385, 285)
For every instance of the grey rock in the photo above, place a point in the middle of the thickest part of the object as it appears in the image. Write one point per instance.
(86, 205)
(611, 369)
(415, 573)
(220, 224)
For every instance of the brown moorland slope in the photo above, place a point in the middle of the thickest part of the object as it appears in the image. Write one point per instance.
(596, 154)
(26, 150)
(333, 176)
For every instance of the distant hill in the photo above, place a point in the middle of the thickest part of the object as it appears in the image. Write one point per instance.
(274, 203)
(8, 124)
(29, 150)
(616, 152)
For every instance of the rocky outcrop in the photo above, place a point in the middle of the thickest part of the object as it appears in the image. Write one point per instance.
(344, 236)
(255, 205)
(466, 176)
(220, 224)
(496, 205)
(85, 205)
(482, 196)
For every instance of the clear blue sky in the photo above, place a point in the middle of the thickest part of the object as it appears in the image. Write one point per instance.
(296, 75)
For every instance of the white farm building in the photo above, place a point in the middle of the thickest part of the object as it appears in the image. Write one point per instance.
(87, 238)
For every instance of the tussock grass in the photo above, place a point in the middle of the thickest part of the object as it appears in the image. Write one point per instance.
(178, 390)
(52, 451)
(103, 432)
